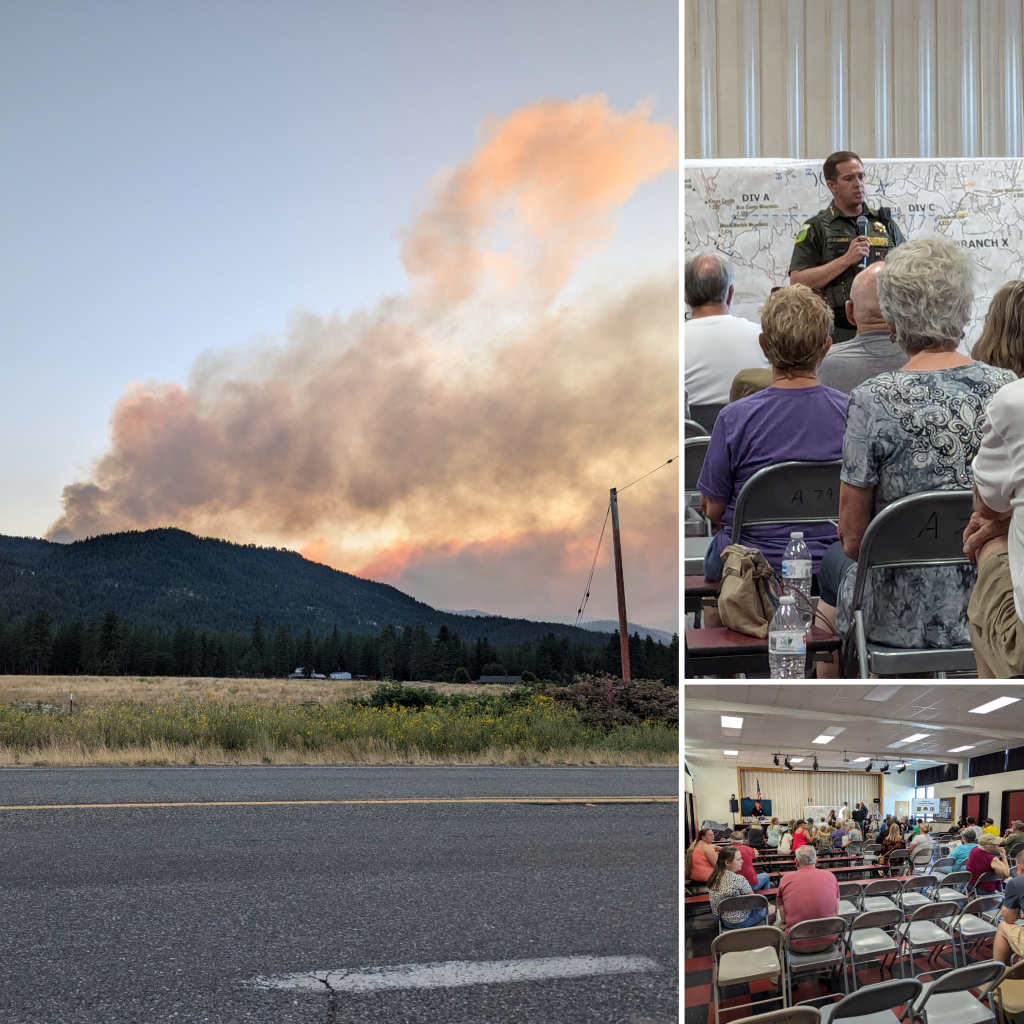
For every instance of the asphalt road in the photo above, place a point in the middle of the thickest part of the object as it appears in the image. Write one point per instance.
(170, 913)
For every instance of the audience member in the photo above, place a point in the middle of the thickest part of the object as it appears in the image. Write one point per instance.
(968, 841)
(808, 417)
(822, 839)
(840, 837)
(860, 812)
(801, 834)
(806, 894)
(1014, 838)
(755, 836)
(786, 841)
(715, 341)
(988, 855)
(912, 430)
(921, 842)
(774, 834)
(994, 539)
(1010, 937)
(854, 832)
(749, 382)
(701, 857)
(873, 349)
(749, 855)
(726, 880)
(990, 828)
(892, 841)
(1001, 342)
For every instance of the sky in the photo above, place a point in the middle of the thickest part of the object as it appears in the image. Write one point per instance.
(394, 285)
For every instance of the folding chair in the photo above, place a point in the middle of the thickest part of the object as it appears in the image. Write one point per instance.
(921, 934)
(900, 860)
(849, 901)
(988, 876)
(706, 415)
(835, 956)
(743, 955)
(871, 852)
(753, 901)
(912, 894)
(915, 532)
(971, 924)
(953, 887)
(694, 451)
(948, 1000)
(786, 1015)
(792, 493)
(868, 1006)
(876, 895)
(868, 939)
(942, 865)
(922, 860)
(691, 428)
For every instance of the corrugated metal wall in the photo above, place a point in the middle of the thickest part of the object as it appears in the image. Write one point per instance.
(886, 78)
(790, 792)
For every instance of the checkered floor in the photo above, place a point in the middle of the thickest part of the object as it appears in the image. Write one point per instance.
(701, 930)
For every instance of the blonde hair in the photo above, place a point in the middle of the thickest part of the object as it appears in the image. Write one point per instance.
(797, 325)
(774, 821)
(1002, 338)
(895, 835)
(925, 827)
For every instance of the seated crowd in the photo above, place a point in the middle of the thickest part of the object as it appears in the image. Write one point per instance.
(903, 410)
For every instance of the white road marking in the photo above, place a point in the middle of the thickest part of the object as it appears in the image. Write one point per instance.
(453, 973)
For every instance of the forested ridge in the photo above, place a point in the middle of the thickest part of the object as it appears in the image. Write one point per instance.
(164, 602)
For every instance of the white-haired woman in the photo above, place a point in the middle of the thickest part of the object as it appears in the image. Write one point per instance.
(911, 430)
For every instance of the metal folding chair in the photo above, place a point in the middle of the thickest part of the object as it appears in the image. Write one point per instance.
(753, 901)
(691, 428)
(948, 1000)
(912, 895)
(869, 940)
(915, 532)
(922, 934)
(786, 1015)
(971, 924)
(881, 894)
(744, 955)
(835, 956)
(868, 1005)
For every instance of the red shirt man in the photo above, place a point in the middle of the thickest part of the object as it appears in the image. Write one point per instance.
(748, 855)
(806, 894)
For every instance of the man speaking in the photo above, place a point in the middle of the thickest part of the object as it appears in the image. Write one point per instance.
(838, 242)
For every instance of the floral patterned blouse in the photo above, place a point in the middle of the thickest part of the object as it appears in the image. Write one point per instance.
(730, 884)
(908, 432)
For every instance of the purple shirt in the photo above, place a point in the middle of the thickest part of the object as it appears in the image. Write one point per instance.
(774, 425)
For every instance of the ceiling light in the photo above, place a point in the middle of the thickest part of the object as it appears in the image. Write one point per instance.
(846, 760)
(994, 705)
(913, 739)
(796, 760)
(885, 767)
(815, 765)
(870, 765)
(880, 693)
(956, 750)
(857, 760)
(730, 753)
(731, 723)
(902, 768)
(823, 739)
(775, 760)
(787, 764)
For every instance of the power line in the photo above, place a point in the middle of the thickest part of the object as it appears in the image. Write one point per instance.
(646, 475)
(590, 579)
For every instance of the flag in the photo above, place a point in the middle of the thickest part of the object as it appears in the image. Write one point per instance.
(757, 782)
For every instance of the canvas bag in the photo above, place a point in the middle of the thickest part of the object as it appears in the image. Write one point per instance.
(749, 592)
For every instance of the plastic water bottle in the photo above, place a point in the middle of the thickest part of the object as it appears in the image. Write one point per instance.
(787, 641)
(796, 573)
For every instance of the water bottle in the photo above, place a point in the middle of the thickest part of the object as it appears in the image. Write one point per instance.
(796, 574)
(787, 641)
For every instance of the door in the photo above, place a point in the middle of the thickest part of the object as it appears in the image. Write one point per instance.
(902, 808)
(972, 806)
(1013, 808)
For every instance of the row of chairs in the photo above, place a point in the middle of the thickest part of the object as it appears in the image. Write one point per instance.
(898, 918)
(917, 531)
(947, 1000)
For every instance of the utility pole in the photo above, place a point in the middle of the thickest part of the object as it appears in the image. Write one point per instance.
(620, 588)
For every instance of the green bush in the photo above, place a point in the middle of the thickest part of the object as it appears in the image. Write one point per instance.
(607, 702)
(461, 677)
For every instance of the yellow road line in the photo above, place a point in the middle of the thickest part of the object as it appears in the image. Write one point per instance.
(321, 803)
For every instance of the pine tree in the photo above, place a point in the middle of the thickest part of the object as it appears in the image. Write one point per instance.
(307, 653)
(259, 641)
(282, 651)
(387, 646)
(443, 655)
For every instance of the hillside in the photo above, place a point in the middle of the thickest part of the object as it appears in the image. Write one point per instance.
(164, 577)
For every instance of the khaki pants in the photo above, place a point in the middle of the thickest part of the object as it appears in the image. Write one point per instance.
(997, 634)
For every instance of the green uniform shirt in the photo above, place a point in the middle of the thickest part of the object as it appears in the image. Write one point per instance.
(826, 236)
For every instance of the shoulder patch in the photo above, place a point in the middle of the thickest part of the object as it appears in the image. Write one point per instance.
(803, 234)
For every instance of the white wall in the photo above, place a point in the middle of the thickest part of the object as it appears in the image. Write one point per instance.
(893, 790)
(712, 787)
(991, 784)
(887, 78)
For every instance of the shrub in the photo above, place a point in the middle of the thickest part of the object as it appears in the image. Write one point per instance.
(461, 677)
(607, 702)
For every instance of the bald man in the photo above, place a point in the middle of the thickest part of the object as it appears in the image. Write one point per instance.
(873, 349)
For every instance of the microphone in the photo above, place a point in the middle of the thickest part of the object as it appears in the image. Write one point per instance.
(862, 229)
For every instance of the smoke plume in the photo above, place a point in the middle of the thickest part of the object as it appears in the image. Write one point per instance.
(458, 441)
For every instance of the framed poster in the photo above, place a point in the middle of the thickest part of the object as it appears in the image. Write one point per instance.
(920, 806)
(945, 808)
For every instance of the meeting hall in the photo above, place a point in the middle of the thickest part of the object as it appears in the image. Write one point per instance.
(853, 851)
(853, 339)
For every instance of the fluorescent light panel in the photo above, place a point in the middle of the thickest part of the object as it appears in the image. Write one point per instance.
(795, 760)
(857, 759)
(822, 739)
(913, 739)
(957, 750)
(731, 723)
(731, 753)
(881, 693)
(994, 705)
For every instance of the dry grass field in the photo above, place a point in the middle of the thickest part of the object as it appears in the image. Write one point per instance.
(178, 721)
(93, 691)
